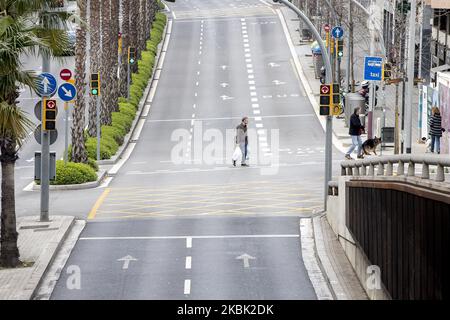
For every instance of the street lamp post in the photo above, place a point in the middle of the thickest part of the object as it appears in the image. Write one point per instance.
(329, 79)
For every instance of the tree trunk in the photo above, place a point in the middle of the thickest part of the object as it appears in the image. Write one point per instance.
(94, 52)
(105, 60)
(78, 147)
(114, 103)
(125, 44)
(134, 18)
(9, 252)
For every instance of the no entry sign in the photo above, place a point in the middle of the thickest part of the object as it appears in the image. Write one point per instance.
(65, 74)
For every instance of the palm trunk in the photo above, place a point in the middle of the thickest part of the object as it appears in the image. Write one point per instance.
(134, 26)
(125, 44)
(9, 252)
(114, 103)
(104, 70)
(94, 52)
(78, 147)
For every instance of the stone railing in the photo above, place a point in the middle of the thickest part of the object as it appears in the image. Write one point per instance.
(384, 166)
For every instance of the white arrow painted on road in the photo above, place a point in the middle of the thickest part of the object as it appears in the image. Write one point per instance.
(126, 261)
(224, 67)
(226, 97)
(278, 82)
(224, 84)
(67, 93)
(30, 160)
(246, 257)
(267, 97)
(273, 65)
(45, 82)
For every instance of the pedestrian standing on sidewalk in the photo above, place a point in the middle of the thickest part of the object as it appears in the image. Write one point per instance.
(356, 129)
(435, 123)
(242, 141)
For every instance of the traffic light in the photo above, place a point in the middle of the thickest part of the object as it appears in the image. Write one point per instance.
(340, 48)
(336, 100)
(49, 115)
(95, 84)
(325, 99)
(387, 71)
(131, 55)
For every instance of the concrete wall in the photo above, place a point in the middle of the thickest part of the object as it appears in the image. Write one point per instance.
(336, 217)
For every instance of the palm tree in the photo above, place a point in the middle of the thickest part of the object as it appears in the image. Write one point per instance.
(114, 56)
(21, 32)
(134, 18)
(78, 147)
(94, 52)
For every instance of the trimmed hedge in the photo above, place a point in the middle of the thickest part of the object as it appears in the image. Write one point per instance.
(73, 173)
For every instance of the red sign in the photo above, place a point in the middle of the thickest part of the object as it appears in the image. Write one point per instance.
(51, 104)
(65, 74)
(325, 89)
(327, 28)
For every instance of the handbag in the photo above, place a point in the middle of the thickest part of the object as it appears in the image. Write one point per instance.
(237, 153)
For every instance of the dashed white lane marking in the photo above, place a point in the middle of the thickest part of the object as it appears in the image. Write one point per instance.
(188, 262)
(196, 94)
(255, 105)
(247, 50)
(258, 119)
(251, 82)
(249, 71)
(259, 125)
(193, 115)
(253, 94)
(188, 242)
(187, 286)
(198, 73)
(196, 83)
(249, 65)
(256, 112)
(254, 99)
(199, 62)
(250, 76)
(252, 88)
(194, 106)
(248, 60)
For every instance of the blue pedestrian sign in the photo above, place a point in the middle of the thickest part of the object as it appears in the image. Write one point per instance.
(67, 92)
(46, 85)
(373, 67)
(337, 32)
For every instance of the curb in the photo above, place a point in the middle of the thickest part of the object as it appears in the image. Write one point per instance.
(88, 185)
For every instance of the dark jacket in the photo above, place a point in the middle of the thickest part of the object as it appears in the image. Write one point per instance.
(436, 125)
(355, 125)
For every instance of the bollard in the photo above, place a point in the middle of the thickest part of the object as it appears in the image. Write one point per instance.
(440, 177)
(425, 171)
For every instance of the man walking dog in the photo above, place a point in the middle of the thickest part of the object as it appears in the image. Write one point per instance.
(242, 141)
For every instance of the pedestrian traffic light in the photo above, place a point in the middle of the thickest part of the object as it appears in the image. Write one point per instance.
(387, 71)
(332, 45)
(325, 99)
(340, 48)
(49, 115)
(95, 84)
(131, 55)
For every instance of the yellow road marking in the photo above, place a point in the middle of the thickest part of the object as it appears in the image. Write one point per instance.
(98, 203)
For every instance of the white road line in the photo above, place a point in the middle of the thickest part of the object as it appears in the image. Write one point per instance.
(248, 60)
(198, 73)
(253, 94)
(259, 125)
(193, 115)
(252, 88)
(251, 82)
(188, 242)
(188, 262)
(195, 94)
(194, 106)
(196, 83)
(255, 105)
(247, 50)
(254, 99)
(124, 159)
(258, 119)
(233, 118)
(249, 65)
(232, 236)
(187, 286)
(246, 45)
(250, 76)
(256, 112)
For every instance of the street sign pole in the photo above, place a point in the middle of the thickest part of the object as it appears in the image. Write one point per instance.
(98, 127)
(128, 80)
(45, 156)
(66, 137)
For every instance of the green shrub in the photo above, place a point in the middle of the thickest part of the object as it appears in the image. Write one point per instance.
(73, 173)
(93, 164)
(160, 17)
(91, 148)
(122, 120)
(115, 132)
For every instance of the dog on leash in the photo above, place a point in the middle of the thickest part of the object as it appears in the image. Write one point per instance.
(370, 145)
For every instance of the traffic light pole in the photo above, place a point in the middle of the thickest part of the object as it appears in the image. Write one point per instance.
(66, 134)
(128, 79)
(329, 80)
(97, 100)
(45, 156)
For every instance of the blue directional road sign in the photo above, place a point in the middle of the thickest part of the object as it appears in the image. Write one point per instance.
(67, 92)
(46, 85)
(373, 67)
(337, 32)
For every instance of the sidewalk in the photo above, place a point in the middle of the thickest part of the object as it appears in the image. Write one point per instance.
(341, 138)
(38, 244)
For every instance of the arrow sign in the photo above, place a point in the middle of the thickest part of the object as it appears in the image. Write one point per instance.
(46, 85)
(337, 32)
(245, 257)
(126, 261)
(67, 92)
(278, 82)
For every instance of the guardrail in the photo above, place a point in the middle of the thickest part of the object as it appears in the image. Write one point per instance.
(384, 166)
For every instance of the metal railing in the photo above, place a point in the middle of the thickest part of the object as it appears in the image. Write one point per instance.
(384, 166)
